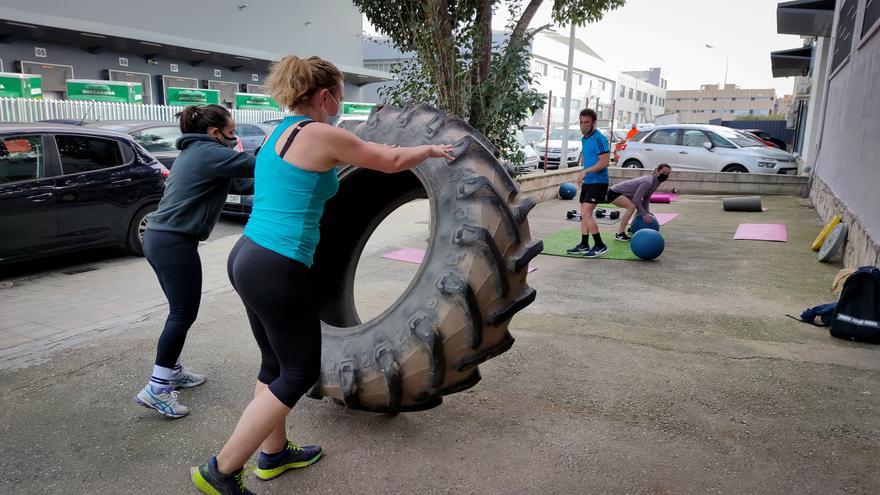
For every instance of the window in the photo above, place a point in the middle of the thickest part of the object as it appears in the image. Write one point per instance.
(541, 68)
(843, 38)
(158, 139)
(603, 85)
(629, 116)
(638, 96)
(86, 153)
(719, 142)
(559, 73)
(872, 15)
(580, 79)
(630, 93)
(245, 130)
(752, 99)
(622, 90)
(714, 99)
(651, 99)
(21, 158)
(663, 136)
(693, 137)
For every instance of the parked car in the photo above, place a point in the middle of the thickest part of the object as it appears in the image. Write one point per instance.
(535, 134)
(64, 188)
(705, 147)
(252, 135)
(555, 148)
(530, 162)
(159, 138)
(764, 136)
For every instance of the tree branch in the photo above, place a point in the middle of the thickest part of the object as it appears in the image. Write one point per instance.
(525, 19)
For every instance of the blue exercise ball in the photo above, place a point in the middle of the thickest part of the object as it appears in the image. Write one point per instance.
(567, 190)
(647, 244)
(639, 223)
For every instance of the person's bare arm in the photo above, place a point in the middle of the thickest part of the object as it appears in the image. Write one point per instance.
(345, 147)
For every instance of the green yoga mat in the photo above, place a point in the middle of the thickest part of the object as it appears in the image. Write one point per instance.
(558, 243)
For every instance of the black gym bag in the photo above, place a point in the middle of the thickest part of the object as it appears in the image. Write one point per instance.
(857, 316)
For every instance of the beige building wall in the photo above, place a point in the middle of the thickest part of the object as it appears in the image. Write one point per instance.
(699, 106)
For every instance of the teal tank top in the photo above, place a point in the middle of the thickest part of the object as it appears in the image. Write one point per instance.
(288, 202)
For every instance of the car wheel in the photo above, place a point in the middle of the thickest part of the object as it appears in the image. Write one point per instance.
(633, 163)
(135, 240)
(736, 168)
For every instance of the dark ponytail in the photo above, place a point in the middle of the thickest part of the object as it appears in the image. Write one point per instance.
(197, 120)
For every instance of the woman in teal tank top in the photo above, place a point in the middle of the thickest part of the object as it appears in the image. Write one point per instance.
(295, 175)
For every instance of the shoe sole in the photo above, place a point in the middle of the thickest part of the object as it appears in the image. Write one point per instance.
(139, 402)
(596, 255)
(201, 483)
(621, 240)
(268, 474)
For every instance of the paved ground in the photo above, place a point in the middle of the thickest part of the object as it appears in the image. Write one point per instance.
(677, 376)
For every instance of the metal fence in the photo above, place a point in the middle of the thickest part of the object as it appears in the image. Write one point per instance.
(25, 110)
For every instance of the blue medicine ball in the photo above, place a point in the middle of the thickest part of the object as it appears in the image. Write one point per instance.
(567, 190)
(639, 223)
(647, 244)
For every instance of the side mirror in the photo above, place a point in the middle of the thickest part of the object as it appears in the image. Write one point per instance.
(708, 145)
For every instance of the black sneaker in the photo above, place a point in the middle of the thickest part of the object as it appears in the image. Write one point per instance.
(208, 479)
(579, 249)
(596, 251)
(621, 236)
(295, 457)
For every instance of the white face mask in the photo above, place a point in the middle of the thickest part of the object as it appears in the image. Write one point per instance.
(334, 119)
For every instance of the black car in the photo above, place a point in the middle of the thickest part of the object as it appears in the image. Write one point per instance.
(64, 188)
(157, 137)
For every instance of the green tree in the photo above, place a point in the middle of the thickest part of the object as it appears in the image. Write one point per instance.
(457, 65)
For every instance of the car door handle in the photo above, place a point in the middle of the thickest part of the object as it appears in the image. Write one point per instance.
(39, 198)
(649, 149)
(120, 182)
(682, 152)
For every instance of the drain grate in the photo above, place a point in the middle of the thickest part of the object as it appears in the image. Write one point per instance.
(77, 271)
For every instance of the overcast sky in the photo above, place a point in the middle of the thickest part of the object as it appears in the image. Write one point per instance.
(672, 34)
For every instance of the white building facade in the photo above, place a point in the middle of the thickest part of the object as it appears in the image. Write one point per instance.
(638, 98)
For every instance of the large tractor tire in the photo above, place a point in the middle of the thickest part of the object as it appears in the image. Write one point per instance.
(455, 313)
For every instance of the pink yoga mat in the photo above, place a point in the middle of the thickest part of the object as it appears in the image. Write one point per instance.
(413, 255)
(665, 218)
(762, 232)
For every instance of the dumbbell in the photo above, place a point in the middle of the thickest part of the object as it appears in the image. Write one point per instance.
(600, 212)
(614, 215)
(572, 215)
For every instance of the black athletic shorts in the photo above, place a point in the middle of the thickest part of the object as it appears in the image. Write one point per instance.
(593, 193)
(612, 195)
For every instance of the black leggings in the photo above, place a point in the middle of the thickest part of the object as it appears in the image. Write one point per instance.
(175, 259)
(283, 315)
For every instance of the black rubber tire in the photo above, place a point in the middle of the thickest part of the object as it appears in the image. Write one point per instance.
(633, 163)
(736, 169)
(455, 313)
(135, 239)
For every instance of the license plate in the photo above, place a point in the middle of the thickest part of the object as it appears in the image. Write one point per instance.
(233, 198)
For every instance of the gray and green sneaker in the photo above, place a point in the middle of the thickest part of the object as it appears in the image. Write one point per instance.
(292, 457)
(185, 379)
(208, 479)
(165, 403)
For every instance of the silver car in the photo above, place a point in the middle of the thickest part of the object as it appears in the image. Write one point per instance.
(708, 148)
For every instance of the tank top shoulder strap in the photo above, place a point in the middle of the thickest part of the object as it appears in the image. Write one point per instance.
(297, 127)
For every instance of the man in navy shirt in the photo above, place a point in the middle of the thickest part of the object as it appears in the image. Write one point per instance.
(594, 184)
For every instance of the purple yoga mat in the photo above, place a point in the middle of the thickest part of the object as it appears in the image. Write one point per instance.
(661, 198)
(762, 232)
(413, 255)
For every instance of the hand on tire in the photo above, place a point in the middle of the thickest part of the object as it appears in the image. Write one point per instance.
(441, 151)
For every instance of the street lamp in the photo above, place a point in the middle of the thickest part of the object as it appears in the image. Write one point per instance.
(724, 86)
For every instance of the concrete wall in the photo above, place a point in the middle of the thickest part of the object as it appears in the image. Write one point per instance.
(860, 248)
(544, 186)
(268, 30)
(847, 162)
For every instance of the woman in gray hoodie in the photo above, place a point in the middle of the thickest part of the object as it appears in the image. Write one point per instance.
(194, 196)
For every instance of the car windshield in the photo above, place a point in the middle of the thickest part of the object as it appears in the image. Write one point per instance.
(573, 134)
(739, 138)
(535, 135)
(521, 138)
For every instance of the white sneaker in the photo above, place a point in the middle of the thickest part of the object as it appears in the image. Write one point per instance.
(185, 379)
(165, 403)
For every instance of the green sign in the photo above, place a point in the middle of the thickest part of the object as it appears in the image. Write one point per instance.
(14, 85)
(112, 91)
(253, 101)
(191, 96)
(351, 109)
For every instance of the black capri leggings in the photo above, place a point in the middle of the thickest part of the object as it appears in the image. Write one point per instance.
(283, 314)
(175, 259)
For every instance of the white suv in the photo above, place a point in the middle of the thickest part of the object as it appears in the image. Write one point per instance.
(709, 148)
